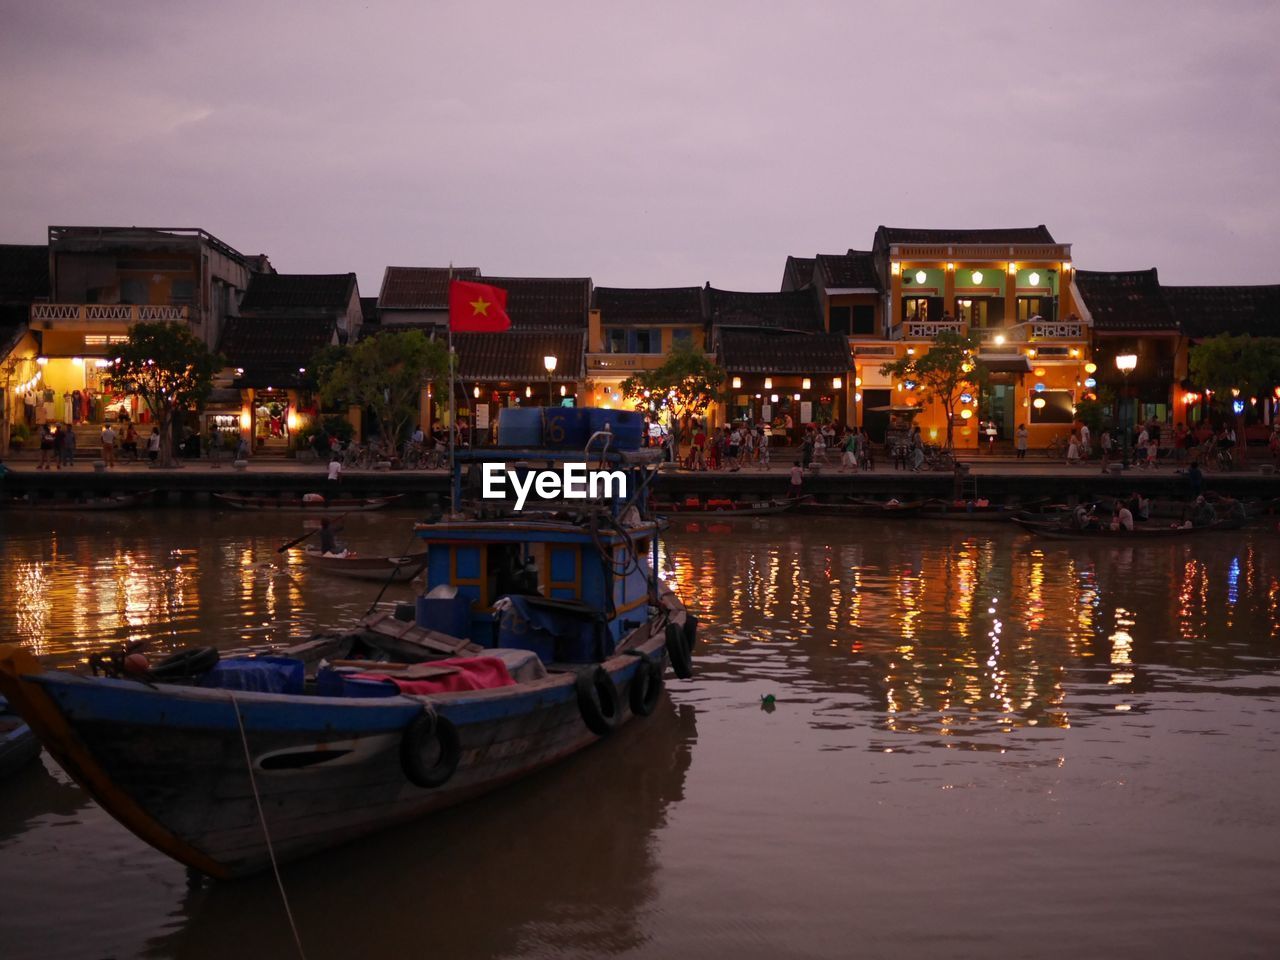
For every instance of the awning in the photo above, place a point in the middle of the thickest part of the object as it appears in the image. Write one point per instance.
(1005, 362)
(894, 408)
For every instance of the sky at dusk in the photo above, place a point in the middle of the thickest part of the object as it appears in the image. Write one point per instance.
(653, 144)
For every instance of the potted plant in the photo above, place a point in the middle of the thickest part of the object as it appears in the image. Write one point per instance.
(19, 434)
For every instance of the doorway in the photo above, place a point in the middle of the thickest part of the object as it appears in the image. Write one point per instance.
(998, 405)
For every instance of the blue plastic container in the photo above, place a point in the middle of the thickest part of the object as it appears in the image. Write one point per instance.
(566, 428)
(520, 427)
(451, 615)
(627, 426)
(336, 683)
(259, 674)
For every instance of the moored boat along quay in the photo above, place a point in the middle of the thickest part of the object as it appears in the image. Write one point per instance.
(997, 481)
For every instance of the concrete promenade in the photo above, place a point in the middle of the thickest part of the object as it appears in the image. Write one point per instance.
(999, 479)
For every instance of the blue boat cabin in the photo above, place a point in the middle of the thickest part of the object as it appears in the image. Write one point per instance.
(556, 588)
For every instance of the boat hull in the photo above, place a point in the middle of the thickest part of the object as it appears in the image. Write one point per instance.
(169, 762)
(278, 505)
(762, 508)
(368, 568)
(1139, 534)
(18, 744)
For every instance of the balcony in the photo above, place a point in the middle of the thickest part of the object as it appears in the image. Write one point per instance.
(926, 329)
(105, 312)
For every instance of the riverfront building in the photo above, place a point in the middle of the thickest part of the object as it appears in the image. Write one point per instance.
(810, 351)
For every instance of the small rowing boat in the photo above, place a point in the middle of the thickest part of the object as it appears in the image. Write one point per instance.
(359, 566)
(18, 745)
(1141, 533)
(724, 508)
(310, 503)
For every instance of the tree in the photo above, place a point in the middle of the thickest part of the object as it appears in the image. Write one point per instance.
(946, 371)
(385, 374)
(1236, 368)
(170, 368)
(685, 384)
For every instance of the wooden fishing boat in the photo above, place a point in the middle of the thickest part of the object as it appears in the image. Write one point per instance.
(120, 501)
(18, 745)
(312, 503)
(968, 511)
(725, 508)
(534, 639)
(365, 567)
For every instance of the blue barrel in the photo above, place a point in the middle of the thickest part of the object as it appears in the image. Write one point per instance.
(520, 427)
(451, 615)
(566, 428)
(627, 426)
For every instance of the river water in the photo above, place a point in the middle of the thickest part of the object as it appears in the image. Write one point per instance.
(978, 744)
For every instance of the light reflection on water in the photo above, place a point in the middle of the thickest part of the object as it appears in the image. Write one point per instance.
(977, 739)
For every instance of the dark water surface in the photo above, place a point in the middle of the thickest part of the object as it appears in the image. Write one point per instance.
(981, 745)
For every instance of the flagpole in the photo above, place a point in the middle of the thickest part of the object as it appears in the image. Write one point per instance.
(453, 416)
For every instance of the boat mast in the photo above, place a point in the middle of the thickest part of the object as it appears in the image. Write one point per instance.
(453, 416)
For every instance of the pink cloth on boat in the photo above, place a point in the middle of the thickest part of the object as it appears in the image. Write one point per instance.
(473, 673)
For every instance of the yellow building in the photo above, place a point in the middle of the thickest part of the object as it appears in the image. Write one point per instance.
(633, 330)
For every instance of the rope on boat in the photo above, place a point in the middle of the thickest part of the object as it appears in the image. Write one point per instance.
(257, 799)
(390, 578)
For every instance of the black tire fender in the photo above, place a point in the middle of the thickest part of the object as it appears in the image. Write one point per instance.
(597, 701)
(678, 652)
(690, 632)
(430, 750)
(645, 689)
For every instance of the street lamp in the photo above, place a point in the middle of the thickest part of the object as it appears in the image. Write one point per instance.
(1125, 362)
(550, 363)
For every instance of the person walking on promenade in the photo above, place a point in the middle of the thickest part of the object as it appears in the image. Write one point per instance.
(1104, 445)
(797, 479)
(762, 446)
(108, 445)
(1180, 444)
(153, 445)
(849, 460)
(1140, 448)
(59, 442)
(1073, 450)
(46, 446)
(69, 446)
(215, 447)
(733, 448)
(1020, 437)
(1086, 442)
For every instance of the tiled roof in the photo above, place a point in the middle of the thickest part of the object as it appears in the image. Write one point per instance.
(847, 270)
(1018, 235)
(1205, 311)
(649, 305)
(798, 273)
(1129, 300)
(516, 355)
(741, 351)
(24, 273)
(306, 292)
(420, 288)
(545, 303)
(272, 349)
(788, 310)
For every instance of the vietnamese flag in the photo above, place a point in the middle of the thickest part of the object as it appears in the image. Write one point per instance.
(477, 308)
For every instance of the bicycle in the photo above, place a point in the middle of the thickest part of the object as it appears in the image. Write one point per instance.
(938, 458)
(1056, 449)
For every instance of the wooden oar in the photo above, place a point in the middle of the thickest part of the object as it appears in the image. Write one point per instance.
(297, 540)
